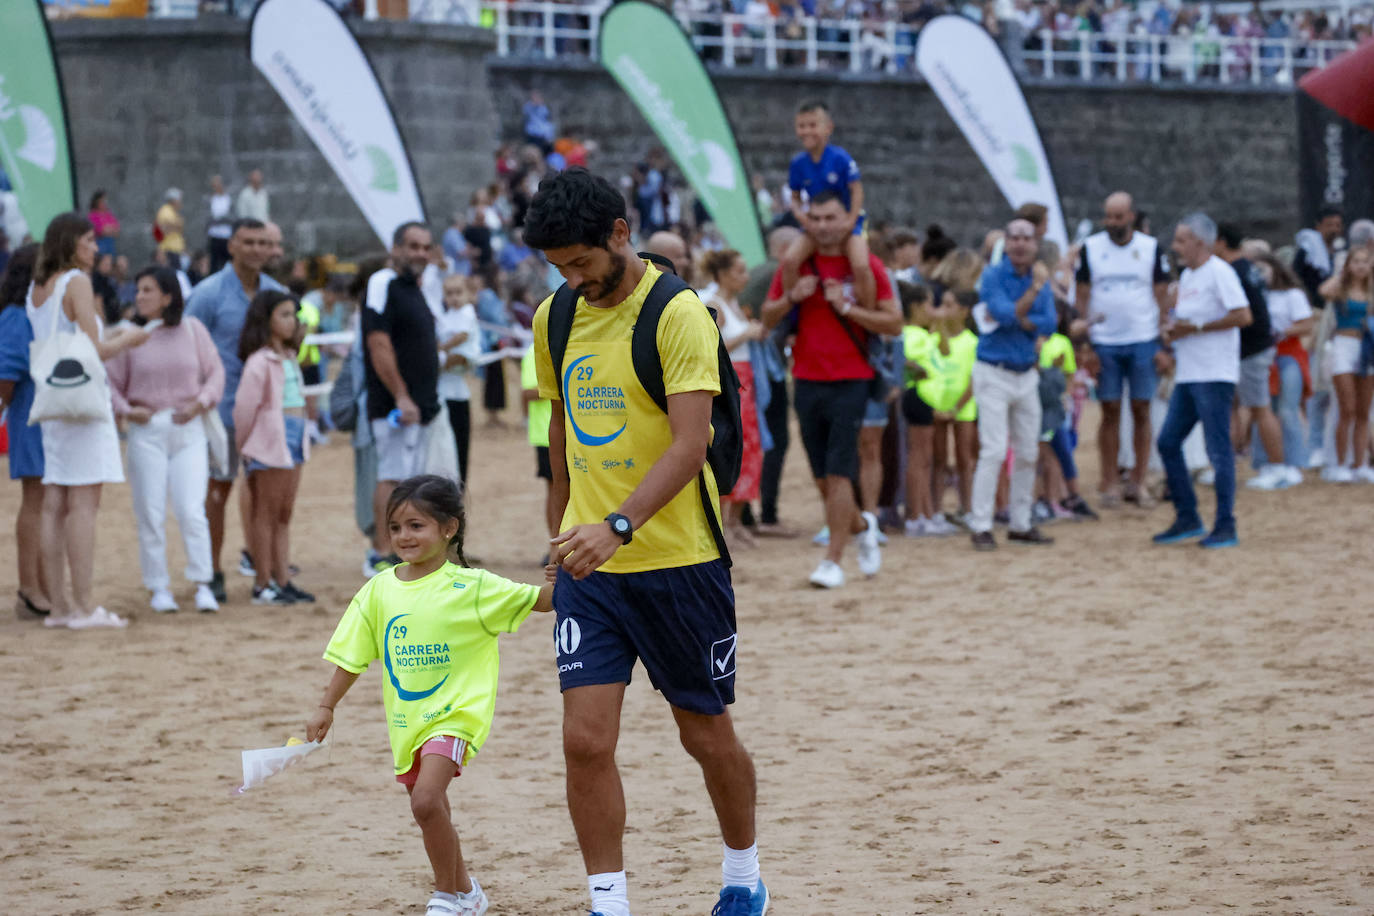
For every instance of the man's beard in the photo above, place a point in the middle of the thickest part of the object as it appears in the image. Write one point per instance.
(1118, 234)
(609, 283)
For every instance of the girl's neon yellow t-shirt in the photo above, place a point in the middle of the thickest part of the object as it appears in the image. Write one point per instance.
(1055, 346)
(947, 376)
(437, 640)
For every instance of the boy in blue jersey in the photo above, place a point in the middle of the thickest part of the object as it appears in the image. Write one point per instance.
(822, 166)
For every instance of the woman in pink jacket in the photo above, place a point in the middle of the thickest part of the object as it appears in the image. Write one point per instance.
(161, 388)
(269, 426)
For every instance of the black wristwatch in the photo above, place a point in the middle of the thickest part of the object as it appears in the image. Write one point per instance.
(621, 527)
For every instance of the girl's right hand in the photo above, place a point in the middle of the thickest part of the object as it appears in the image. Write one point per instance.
(134, 336)
(319, 723)
(139, 415)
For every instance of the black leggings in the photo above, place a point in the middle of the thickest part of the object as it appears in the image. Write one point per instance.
(494, 386)
(461, 420)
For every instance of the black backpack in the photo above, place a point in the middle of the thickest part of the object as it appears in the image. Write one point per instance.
(724, 453)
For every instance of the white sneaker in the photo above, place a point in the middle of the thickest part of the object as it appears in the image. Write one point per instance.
(1336, 474)
(870, 554)
(246, 568)
(1270, 477)
(828, 575)
(916, 527)
(1294, 475)
(205, 599)
(474, 902)
(940, 527)
(882, 538)
(1208, 478)
(162, 601)
(1364, 474)
(97, 618)
(1317, 461)
(822, 538)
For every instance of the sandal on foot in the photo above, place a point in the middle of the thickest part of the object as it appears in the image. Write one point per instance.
(25, 609)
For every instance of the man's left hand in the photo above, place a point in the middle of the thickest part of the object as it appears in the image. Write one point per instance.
(583, 549)
(834, 294)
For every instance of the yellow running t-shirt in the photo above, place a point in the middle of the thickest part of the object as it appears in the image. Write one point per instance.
(437, 639)
(615, 432)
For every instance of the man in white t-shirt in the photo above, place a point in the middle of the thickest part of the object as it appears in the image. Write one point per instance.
(1122, 280)
(1205, 334)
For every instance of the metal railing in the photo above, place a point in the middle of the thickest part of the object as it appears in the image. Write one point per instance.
(549, 30)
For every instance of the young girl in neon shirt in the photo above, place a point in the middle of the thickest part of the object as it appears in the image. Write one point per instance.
(434, 624)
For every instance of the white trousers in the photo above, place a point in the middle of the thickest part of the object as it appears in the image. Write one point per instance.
(1008, 415)
(164, 458)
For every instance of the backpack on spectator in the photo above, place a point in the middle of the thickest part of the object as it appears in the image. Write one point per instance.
(725, 451)
(347, 391)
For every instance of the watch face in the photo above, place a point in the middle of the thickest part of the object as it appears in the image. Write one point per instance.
(622, 525)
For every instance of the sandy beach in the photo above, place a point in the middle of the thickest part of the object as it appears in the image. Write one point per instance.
(1097, 727)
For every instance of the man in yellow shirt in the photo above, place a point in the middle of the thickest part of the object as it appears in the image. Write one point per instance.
(640, 575)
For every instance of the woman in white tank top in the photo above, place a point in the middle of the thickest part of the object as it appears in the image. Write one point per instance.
(78, 457)
(730, 274)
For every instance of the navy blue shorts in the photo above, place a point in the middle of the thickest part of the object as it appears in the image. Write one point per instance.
(679, 622)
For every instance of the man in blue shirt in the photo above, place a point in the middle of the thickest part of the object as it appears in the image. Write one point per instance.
(1006, 384)
(220, 302)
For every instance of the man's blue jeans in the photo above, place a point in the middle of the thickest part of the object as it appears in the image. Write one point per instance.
(1210, 403)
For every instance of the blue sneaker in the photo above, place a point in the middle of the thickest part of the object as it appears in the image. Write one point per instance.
(1180, 531)
(1219, 539)
(738, 901)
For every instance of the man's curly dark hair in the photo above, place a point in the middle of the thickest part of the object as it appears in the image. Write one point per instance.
(573, 207)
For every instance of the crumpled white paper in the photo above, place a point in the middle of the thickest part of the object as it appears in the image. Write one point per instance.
(260, 764)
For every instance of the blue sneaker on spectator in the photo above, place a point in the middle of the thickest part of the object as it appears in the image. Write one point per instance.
(1222, 537)
(1181, 530)
(738, 901)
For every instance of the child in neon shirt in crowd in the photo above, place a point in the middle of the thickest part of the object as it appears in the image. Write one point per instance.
(957, 411)
(925, 382)
(434, 624)
(822, 166)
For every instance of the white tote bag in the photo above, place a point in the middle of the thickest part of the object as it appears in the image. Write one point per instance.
(68, 376)
(441, 452)
(217, 439)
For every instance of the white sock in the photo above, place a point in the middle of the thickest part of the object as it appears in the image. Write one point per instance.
(609, 893)
(740, 867)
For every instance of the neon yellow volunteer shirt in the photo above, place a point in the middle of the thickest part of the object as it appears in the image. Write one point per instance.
(541, 409)
(1054, 346)
(437, 638)
(614, 430)
(947, 376)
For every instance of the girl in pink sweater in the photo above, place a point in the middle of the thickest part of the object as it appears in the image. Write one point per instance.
(160, 389)
(269, 426)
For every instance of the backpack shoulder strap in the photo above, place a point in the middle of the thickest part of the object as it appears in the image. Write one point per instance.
(561, 312)
(644, 342)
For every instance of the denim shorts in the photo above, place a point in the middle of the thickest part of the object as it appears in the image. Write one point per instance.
(876, 414)
(1122, 364)
(295, 442)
